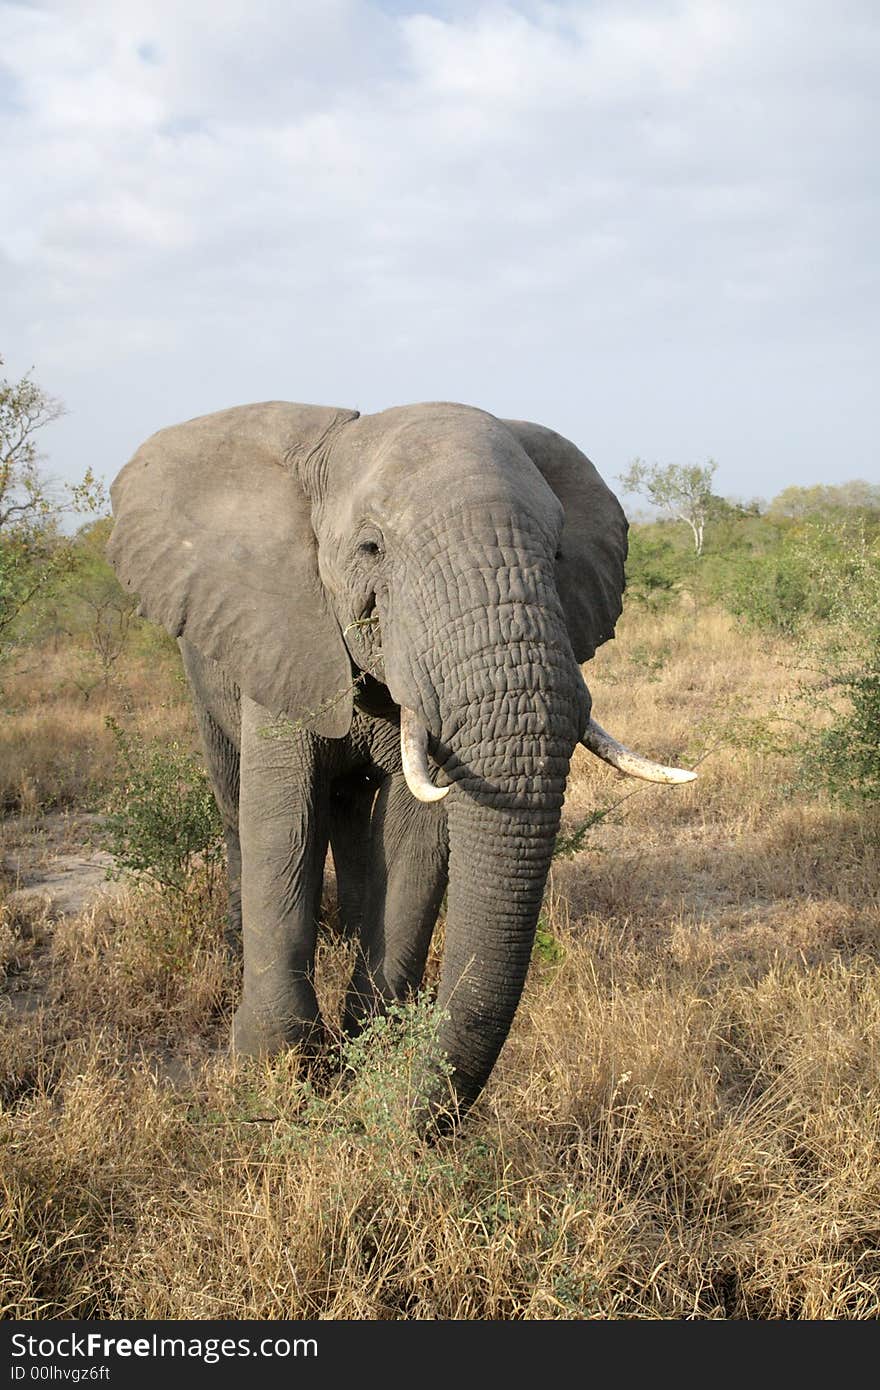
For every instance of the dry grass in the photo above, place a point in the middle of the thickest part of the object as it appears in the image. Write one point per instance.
(685, 1122)
(55, 749)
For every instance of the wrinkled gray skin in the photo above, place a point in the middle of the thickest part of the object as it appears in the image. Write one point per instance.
(322, 569)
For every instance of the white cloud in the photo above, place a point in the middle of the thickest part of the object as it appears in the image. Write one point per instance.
(650, 225)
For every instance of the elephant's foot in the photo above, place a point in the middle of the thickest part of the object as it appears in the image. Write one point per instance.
(259, 1033)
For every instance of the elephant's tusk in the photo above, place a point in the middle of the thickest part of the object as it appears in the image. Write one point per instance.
(597, 741)
(414, 753)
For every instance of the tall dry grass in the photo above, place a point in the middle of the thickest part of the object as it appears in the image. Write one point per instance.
(685, 1122)
(55, 748)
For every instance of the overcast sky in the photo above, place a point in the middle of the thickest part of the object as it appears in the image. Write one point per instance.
(652, 226)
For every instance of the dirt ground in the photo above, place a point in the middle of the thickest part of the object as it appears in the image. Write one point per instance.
(56, 861)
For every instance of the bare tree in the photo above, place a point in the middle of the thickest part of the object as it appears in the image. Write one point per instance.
(683, 491)
(111, 613)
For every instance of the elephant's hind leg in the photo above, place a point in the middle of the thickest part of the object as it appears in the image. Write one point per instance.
(405, 886)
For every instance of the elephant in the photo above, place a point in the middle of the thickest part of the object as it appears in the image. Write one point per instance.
(383, 620)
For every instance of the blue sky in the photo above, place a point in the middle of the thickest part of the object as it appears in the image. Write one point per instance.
(651, 226)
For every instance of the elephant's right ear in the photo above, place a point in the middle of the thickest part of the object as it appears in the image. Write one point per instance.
(213, 531)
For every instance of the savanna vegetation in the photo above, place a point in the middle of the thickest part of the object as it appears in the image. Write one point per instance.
(685, 1122)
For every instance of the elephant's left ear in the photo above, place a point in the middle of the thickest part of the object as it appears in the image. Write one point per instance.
(590, 570)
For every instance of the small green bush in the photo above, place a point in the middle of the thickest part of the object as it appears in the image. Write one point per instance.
(161, 819)
(843, 757)
(392, 1065)
(387, 1072)
(547, 947)
(655, 566)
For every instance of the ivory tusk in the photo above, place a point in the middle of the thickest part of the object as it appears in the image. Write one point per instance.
(600, 743)
(414, 754)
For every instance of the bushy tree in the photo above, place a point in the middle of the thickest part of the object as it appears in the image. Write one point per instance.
(25, 409)
(33, 549)
(822, 499)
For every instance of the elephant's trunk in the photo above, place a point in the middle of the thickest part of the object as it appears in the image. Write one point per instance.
(507, 761)
(499, 859)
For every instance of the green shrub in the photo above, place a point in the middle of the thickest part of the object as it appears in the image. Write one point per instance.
(392, 1065)
(161, 819)
(843, 758)
(655, 565)
(825, 593)
(547, 947)
(798, 575)
(769, 592)
(775, 590)
(386, 1072)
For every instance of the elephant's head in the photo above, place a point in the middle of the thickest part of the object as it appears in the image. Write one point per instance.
(433, 558)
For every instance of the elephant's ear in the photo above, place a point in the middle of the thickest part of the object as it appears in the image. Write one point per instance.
(213, 531)
(590, 571)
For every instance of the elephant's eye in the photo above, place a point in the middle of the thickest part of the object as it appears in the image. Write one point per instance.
(369, 542)
(558, 556)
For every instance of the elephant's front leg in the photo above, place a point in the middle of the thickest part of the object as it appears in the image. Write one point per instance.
(283, 832)
(406, 880)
